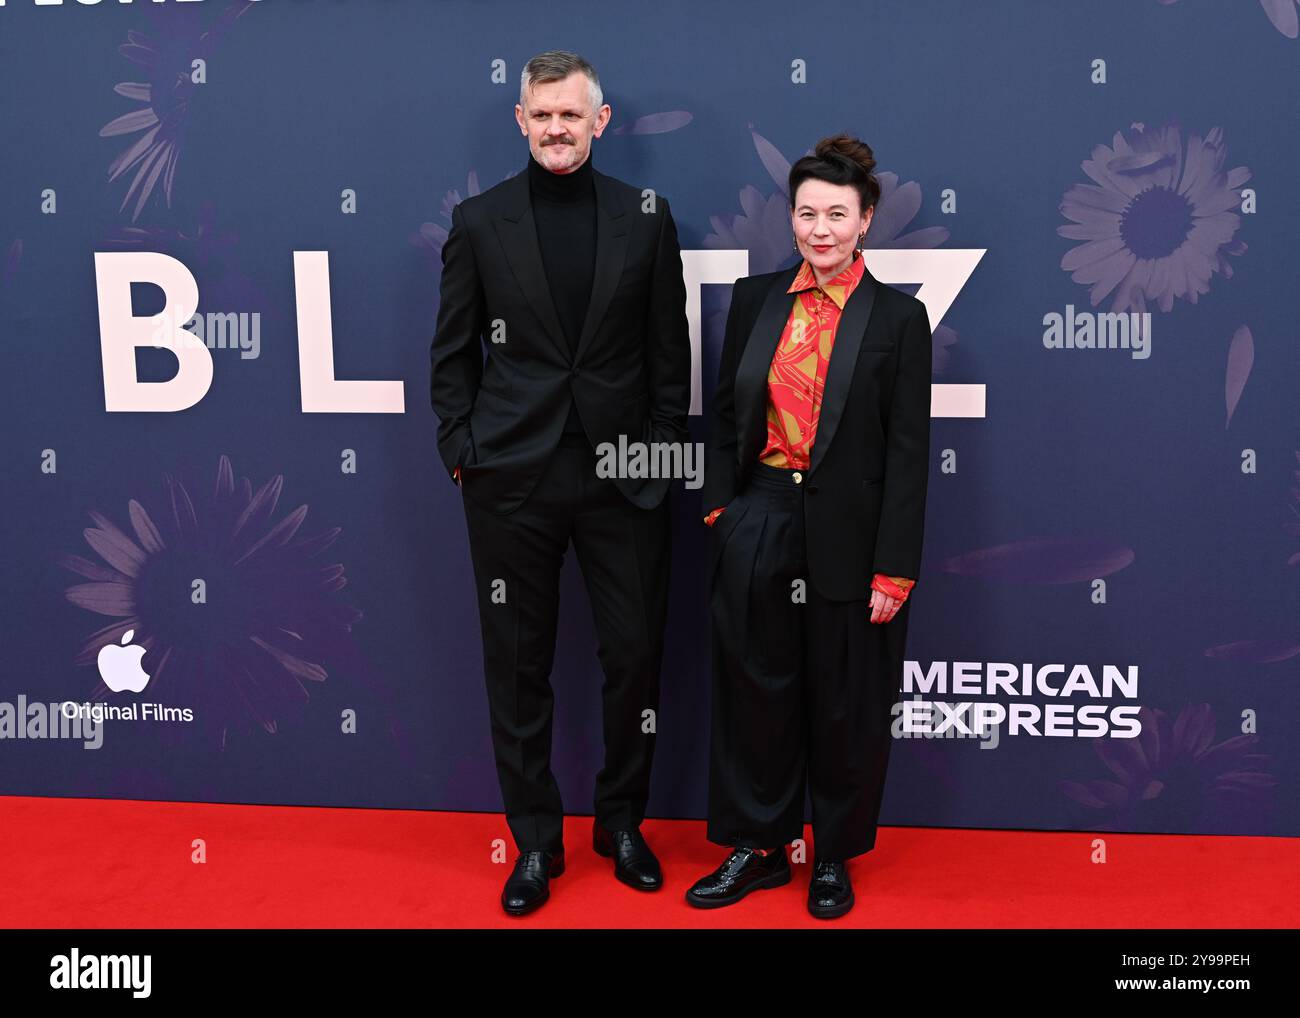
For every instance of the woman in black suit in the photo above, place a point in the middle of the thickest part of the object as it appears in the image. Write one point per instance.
(815, 486)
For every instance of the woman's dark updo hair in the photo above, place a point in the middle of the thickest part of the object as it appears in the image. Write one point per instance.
(841, 159)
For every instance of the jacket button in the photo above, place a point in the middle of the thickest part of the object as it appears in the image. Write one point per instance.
(798, 477)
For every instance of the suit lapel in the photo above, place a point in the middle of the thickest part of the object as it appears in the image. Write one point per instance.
(517, 231)
(611, 254)
(844, 359)
(518, 234)
(751, 375)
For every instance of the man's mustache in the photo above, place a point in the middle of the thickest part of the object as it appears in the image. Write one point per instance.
(558, 141)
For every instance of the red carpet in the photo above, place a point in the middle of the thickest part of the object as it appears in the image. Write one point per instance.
(95, 863)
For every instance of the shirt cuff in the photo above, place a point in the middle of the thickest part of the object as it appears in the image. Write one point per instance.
(894, 586)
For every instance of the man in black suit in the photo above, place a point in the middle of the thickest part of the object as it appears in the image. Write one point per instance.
(573, 282)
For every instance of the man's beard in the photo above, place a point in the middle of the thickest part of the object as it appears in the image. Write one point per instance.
(565, 154)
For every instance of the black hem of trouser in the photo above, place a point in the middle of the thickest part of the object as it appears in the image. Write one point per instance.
(840, 856)
(742, 841)
(618, 823)
(748, 841)
(538, 848)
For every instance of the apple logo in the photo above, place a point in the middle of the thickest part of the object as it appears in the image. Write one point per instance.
(120, 668)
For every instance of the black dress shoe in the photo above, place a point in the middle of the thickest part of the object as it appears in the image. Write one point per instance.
(743, 871)
(830, 892)
(529, 885)
(634, 863)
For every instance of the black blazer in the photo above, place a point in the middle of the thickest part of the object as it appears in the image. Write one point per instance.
(501, 415)
(865, 487)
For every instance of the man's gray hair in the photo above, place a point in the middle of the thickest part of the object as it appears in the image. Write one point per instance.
(556, 65)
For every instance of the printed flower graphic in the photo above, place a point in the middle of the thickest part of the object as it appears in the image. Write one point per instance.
(1241, 359)
(763, 229)
(1043, 560)
(10, 268)
(656, 123)
(1158, 221)
(1256, 652)
(1283, 15)
(1281, 12)
(1173, 774)
(269, 611)
(433, 235)
(164, 101)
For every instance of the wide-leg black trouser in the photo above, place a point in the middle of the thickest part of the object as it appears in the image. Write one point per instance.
(802, 686)
(624, 552)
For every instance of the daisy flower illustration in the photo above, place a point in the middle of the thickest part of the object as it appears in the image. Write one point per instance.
(247, 650)
(1172, 774)
(1281, 12)
(432, 236)
(1157, 222)
(161, 117)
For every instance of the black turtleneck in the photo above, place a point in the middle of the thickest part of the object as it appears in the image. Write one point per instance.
(564, 210)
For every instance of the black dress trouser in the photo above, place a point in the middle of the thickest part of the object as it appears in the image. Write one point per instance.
(802, 686)
(623, 551)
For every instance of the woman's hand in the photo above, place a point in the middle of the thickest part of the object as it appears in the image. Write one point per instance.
(883, 607)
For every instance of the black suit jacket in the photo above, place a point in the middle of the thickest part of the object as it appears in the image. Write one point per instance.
(501, 415)
(865, 487)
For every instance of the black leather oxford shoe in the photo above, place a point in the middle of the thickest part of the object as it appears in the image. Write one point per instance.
(830, 892)
(634, 863)
(743, 871)
(529, 885)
